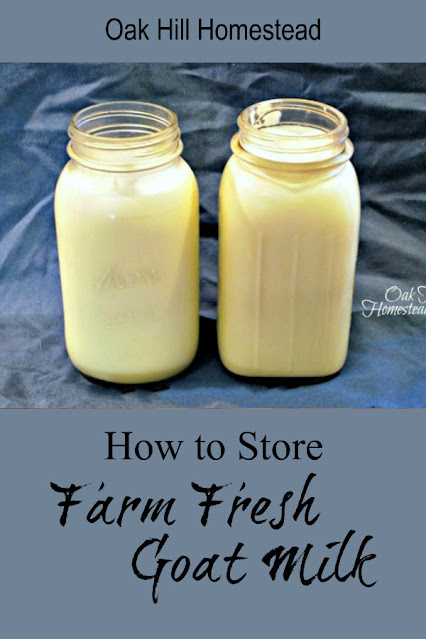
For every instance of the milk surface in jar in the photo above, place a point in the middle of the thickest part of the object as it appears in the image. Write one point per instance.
(289, 210)
(126, 210)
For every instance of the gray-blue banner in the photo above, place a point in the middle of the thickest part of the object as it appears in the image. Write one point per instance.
(81, 31)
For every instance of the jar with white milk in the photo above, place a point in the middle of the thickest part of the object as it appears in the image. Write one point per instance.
(126, 210)
(289, 211)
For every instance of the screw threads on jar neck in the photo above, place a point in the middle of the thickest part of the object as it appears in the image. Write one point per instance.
(124, 136)
(294, 131)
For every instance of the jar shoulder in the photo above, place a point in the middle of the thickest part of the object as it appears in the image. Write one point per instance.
(238, 168)
(257, 198)
(176, 176)
(260, 181)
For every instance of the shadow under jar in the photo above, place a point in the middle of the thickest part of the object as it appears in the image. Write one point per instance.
(126, 211)
(289, 210)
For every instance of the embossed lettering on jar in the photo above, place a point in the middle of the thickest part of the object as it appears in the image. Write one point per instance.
(289, 210)
(126, 210)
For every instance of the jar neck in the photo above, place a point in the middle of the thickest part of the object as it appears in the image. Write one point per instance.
(299, 135)
(124, 136)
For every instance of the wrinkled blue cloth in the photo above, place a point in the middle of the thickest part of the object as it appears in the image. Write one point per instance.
(386, 108)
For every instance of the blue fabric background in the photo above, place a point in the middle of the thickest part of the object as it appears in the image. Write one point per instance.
(386, 108)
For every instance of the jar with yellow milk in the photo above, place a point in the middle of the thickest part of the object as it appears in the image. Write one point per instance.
(126, 210)
(289, 211)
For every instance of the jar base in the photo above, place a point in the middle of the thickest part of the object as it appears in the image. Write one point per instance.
(248, 372)
(133, 379)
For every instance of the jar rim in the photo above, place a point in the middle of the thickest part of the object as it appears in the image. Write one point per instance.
(138, 135)
(329, 125)
(297, 103)
(124, 135)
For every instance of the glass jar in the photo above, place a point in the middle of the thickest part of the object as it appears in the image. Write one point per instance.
(289, 210)
(126, 210)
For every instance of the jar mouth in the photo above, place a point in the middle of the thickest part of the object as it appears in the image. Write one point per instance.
(293, 130)
(124, 135)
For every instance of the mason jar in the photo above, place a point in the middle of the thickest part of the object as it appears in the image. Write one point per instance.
(289, 210)
(126, 210)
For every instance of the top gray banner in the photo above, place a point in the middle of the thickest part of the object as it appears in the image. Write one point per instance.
(223, 31)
